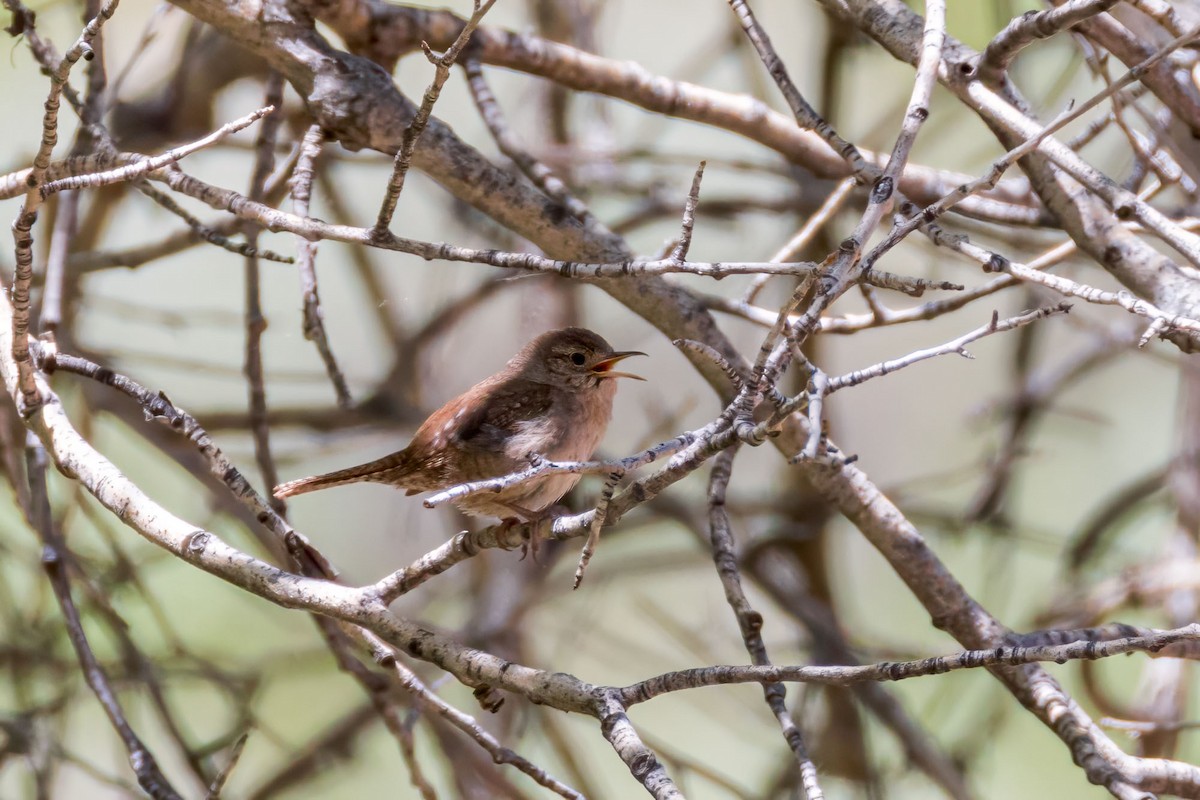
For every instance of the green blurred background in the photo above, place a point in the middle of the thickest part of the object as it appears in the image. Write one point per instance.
(652, 602)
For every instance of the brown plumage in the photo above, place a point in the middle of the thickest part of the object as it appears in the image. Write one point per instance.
(554, 399)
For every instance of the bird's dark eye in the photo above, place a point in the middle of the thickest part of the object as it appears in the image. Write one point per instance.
(578, 359)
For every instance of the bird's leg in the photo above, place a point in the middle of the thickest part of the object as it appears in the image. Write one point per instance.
(538, 522)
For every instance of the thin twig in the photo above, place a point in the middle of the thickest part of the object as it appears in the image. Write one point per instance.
(412, 133)
(262, 214)
(749, 621)
(812, 226)
(138, 256)
(306, 265)
(958, 346)
(546, 467)
(806, 116)
(148, 164)
(23, 226)
(599, 514)
(235, 753)
(430, 703)
(1090, 650)
(256, 325)
(506, 139)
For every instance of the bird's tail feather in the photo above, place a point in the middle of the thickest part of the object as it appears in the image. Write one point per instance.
(389, 469)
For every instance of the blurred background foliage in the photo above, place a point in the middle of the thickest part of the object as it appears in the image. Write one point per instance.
(228, 663)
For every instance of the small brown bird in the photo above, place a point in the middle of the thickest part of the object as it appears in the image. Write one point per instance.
(553, 399)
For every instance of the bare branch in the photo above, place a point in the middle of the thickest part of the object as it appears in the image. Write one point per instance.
(1031, 26)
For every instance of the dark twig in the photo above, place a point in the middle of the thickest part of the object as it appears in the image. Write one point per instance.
(1084, 543)
(806, 116)
(235, 752)
(204, 232)
(256, 325)
(314, 755)
(54, 562)
(306, 265)
(159, 408)
(749, 621)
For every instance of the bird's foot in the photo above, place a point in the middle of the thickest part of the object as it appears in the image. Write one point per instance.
(530, 547)
(541, 525)
(539, 530)
(529, 540)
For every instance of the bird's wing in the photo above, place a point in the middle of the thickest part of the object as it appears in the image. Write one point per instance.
(479, 432)
(505, 413)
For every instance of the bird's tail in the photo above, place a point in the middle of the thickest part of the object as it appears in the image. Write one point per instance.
(389, 469)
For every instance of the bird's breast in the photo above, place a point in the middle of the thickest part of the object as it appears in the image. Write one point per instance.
(571, 433)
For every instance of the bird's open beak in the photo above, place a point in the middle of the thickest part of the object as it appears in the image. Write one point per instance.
(604, 369)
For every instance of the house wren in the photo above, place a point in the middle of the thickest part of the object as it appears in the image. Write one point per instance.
(554, 399)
